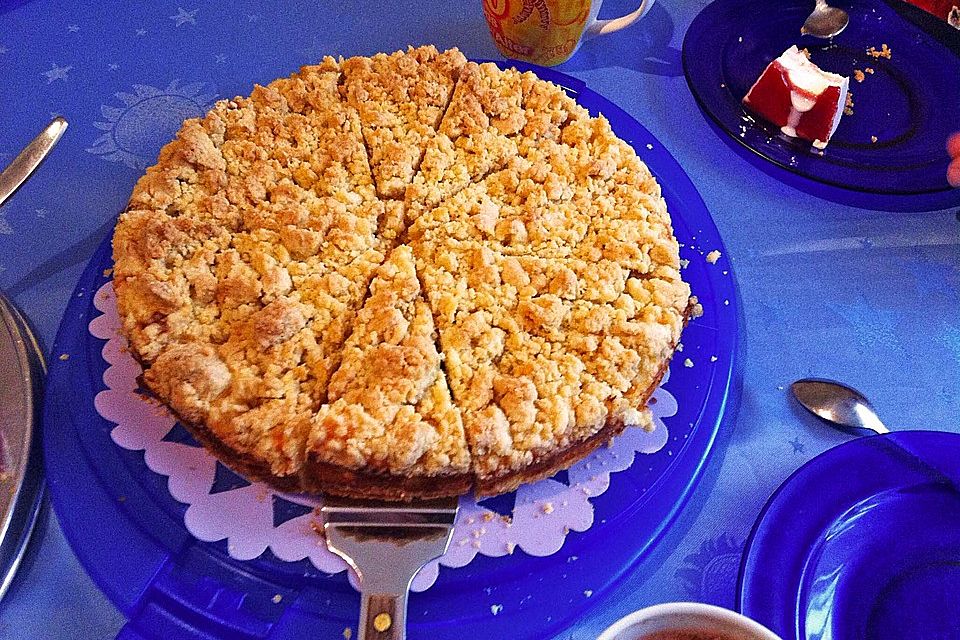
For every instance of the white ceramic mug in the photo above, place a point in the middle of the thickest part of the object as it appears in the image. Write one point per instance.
(686, 616)
(547, 32)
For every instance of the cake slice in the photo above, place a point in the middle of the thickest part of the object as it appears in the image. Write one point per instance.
(587, 196)
(799, 97)
(389, 423)
(545, 354)
(495, 117)
(401, 98)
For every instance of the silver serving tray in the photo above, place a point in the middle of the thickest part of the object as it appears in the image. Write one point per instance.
(21, 467)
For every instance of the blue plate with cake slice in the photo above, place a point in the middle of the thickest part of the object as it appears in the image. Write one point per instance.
(903, 67)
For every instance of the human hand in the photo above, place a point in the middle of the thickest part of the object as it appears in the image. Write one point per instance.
(953, 171)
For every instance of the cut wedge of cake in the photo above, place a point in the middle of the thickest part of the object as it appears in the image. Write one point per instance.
(400, 99)
(388, 415)
(799, 97)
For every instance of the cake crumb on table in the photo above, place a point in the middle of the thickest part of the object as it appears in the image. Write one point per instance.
(848, 107)
(496, 608)
(873, 138)
(713, 256)
(277, 598)
(548, 507)
(883, 52)
(347, 633)
(858, 75)
(869, 70)
(64, 356)
(688, 363)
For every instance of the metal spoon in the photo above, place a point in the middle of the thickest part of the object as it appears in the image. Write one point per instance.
(837, 403)
(825, 21)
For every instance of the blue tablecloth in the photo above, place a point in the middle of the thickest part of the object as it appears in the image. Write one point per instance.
(865, 296)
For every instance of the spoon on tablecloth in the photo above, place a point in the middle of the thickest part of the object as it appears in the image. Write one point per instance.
(825, 21)
(838, 404)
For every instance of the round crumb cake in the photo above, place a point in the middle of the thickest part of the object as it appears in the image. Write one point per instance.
(402, 276)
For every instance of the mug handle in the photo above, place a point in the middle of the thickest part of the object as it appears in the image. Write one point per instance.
(601, 27)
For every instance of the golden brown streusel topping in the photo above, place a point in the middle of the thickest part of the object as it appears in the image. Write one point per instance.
(535, 297)
(599, 331)
(389, 408)
(401, 98)
(242, 258)
(475, 136)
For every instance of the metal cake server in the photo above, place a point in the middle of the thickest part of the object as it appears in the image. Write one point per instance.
(387, 543)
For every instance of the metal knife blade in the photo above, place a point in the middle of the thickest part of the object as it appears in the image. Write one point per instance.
(30, 158)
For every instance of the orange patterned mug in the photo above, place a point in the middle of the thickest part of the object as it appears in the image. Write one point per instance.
(547, 32)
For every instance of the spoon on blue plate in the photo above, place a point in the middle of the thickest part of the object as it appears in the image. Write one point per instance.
(838, 404)
(825, 21)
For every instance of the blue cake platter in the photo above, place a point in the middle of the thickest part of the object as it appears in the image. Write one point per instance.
(863, 541)
(129, 533)
(891, 147)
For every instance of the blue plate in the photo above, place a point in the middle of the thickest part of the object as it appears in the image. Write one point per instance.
(861, 542)
(911, 104)
(129, 534)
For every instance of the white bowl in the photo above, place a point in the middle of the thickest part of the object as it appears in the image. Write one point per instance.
(686, 616)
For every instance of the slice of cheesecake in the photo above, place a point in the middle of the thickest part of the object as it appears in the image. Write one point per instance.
(799, 97)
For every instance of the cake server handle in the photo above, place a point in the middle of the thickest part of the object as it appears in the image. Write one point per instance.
(383, 616)
(30, 158)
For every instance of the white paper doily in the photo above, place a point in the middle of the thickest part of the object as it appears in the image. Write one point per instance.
(542, 514)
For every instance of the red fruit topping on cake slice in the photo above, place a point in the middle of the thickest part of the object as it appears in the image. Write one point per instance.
(799, 97)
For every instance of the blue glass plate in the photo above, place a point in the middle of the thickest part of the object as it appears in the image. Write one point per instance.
(128, 531)
(863, 541)
(911, 103)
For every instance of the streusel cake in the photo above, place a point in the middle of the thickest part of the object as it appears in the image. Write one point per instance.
(401, 276)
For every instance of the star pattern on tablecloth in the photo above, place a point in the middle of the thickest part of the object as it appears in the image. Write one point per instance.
(57, 72)
(141, 32)
(41, 213)
(220, 58)
(796, 444)
(73, 28)
(183, 17)
(3, 49)
(252, 17)
(113, 66)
